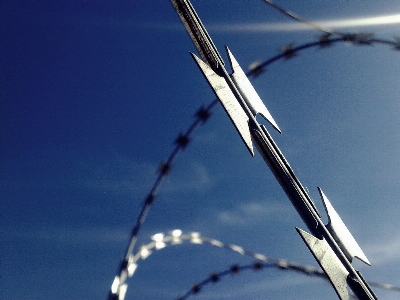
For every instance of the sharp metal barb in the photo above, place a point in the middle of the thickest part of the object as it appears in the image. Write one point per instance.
(204, 114)
(241, 103)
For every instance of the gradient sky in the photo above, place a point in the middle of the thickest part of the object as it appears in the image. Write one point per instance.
(92, 96)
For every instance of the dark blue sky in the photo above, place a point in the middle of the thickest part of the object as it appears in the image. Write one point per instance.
(92, 96)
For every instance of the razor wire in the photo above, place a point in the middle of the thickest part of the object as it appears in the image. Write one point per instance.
(203, 114)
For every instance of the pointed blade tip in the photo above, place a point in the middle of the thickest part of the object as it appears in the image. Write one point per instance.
(248, 92)
(329, 262)
(228, 101)
(341, 233)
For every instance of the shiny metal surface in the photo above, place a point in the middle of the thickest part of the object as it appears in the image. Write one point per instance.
(333, 246)
(249, 94)
(198, 33)
(341, 234)
(328, 261)
(229, 102)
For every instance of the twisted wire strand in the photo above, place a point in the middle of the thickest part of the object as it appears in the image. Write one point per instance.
(201, 116)
(260, 265)
(300, 19)
(288, 51)
(256, 266)
(165, 167)
(177, 237)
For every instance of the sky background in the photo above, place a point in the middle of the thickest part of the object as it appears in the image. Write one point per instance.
(92, 96)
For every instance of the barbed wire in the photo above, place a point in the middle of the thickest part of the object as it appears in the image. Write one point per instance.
(256, 266)
(326, 30)
(204, 113)
(300, 19)
(289, 51)
(177, 237)
(324, 40)
(259, 265)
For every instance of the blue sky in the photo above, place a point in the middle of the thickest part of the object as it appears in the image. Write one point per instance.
(93, 94)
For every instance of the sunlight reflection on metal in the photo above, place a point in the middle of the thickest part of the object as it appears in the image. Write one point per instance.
(262, 261)
(257, 68)
(287, 27)
(192, 237)
(176, 236)
(176, 233)
(115, 284)
(283, 264)
(237, 249)
(204, 113)
(158, 237)
(131, 269)
(366, 21)
(195, 238)
(216, 243)
(176, 240)
(236, 95)
(260, 257)
(122, 291)
(160, 245)
(144, 252)
(321, 25)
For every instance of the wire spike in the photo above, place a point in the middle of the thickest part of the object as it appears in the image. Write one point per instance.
(258, 265)
(150, 198)
(235, 269)
(288, 51)
(164, 168)
(324, 40)
(214, 277)
(196, 288)
(203, 114)
(182, 140)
